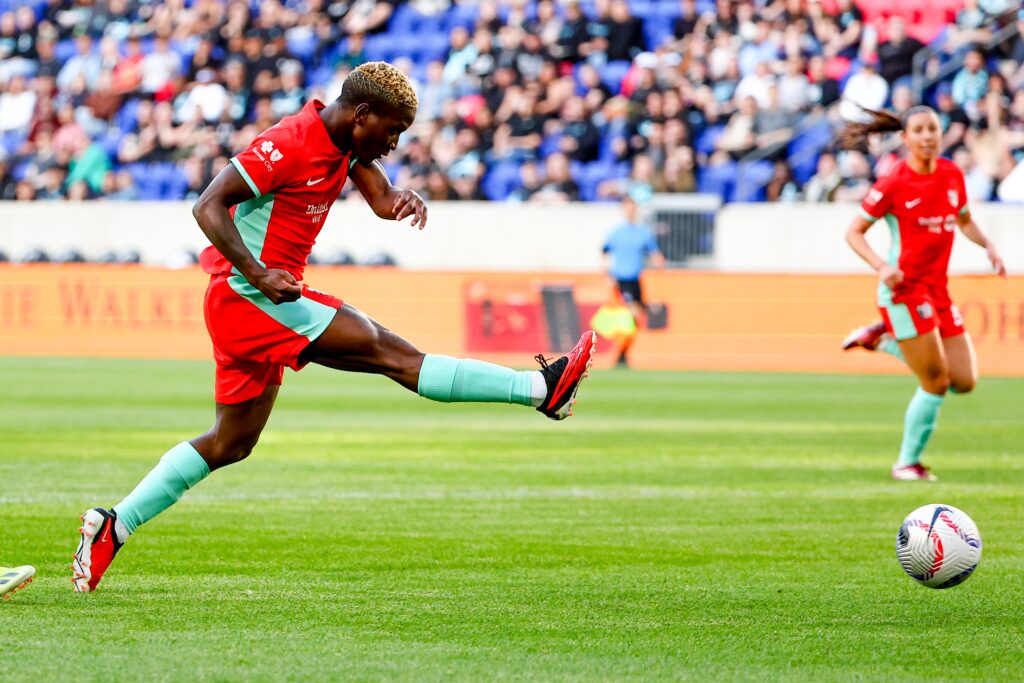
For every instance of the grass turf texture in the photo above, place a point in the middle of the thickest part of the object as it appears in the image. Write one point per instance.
(682, 526)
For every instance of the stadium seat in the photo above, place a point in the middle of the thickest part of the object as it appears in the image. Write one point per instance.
(705, 143)
(720, 180)
(613, 73)
(501, 180)
(751, 178)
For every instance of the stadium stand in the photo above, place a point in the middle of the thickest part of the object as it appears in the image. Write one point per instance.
(122, 99)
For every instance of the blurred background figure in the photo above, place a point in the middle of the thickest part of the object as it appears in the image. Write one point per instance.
(627, 251)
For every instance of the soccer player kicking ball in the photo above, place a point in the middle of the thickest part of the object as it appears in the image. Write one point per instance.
(262, 213)
(13, 579)
(922, 199)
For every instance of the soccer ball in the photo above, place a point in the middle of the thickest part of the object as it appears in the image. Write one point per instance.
(938, 546)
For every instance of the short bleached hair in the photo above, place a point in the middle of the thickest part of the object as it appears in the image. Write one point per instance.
(379, 84)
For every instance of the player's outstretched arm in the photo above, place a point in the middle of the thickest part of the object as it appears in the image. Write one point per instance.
(386, 200)
(212, 213)
(974, 234)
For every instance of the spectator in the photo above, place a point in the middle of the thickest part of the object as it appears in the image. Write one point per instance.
(971, 82)
(773, 126)
(530, 182)
(580, 139)
(159, 66)
(738, 138)
(84, 63)
(367, 16)
(571, 35)
(863, 89)
(558, 187)
(823, 91)
(16, 106)
(206, 101)
(979, 184)
(793, 86)
(782, 187)
(290, 97)
(625, 33)
(896, 55)
(823, 184)
(952, 117)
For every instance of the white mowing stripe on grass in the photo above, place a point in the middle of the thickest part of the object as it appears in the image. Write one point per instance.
(520, 493)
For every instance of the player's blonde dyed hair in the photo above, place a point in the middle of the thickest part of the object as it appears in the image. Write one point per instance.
(379, 83)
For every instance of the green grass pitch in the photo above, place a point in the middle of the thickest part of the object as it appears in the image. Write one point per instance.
(683, 526)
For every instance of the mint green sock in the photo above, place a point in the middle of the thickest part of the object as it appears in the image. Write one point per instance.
(892, 347)
(180, 469)
(922, 414)
(454, 380)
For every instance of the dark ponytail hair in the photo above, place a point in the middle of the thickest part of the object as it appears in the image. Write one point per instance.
(854, 133)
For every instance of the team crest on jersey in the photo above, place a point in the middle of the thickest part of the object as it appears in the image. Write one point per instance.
(954, 198)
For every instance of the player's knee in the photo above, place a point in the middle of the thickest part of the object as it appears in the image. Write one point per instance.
(963, 385)
(226, 451)
(936, 382)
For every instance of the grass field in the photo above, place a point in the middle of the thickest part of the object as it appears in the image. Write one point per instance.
(682, 526)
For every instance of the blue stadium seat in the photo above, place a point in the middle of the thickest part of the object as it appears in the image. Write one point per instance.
(461, 15)
(705, 143)
(613, 73)
(64, 50)
(751, 178)
(720, 180)
(501, 180)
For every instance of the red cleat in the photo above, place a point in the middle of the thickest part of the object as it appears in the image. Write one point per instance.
(915, 472)
(96, 550)
(564, 376)
(867, 337)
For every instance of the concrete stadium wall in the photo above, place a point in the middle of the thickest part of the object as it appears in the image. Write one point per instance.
(715, 321)
(494, 236)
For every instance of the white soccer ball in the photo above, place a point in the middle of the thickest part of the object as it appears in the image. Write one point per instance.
(938, 546)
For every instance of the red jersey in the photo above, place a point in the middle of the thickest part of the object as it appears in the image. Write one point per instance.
(296, 172)
(922, 212)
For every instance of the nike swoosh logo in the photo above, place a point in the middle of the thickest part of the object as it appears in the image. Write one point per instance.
(106, 534)
(311, 182)
(912, 204)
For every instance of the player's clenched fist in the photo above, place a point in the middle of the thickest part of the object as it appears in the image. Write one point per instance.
(278, 285)
(408, 203)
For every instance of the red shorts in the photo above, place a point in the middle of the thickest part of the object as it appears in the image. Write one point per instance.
(254, 339)
(918, 311)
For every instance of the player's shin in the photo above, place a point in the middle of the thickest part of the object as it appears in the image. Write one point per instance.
(918, 425)
(179, 469)
(454, 380)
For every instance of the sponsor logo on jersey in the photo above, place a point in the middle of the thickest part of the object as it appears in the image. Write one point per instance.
(911, 204)
(874, 196)
(954, 198)
(267, 147)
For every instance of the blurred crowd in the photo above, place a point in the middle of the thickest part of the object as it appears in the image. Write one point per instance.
(520, 101)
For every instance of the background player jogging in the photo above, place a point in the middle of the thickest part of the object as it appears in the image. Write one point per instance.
(262, 214)
(922, 199)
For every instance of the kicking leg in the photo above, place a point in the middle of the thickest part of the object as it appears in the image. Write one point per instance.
(925, 356)
(236, 429)
(355, 343)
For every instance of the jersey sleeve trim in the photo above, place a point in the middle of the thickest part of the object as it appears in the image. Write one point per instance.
(964, 210)
(245, 176)
(867, 216)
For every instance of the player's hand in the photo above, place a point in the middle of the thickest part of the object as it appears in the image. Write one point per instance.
(997, 261)
(278, 285)
(890, 275)
(408, 203)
